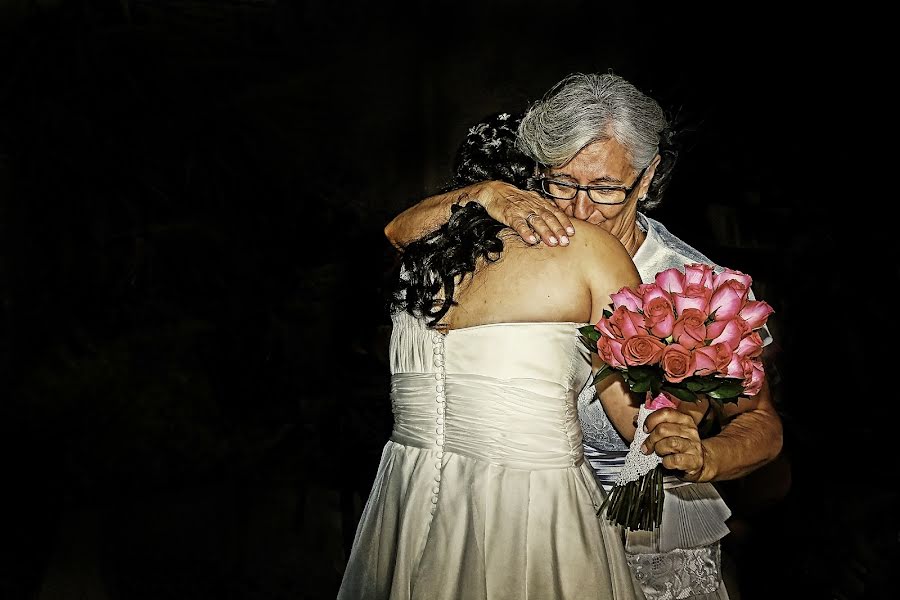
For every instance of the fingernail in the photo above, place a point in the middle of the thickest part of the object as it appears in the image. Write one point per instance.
(645, 449)
(645, 428)
(532, 239)
(553, 241)
(570, 230)
(564, 240)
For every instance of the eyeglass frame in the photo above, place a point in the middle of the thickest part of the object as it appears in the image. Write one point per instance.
(535, 183)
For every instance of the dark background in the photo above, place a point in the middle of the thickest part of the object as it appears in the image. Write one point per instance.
(193, 387)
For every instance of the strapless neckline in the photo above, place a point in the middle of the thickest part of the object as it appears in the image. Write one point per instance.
(511, 324)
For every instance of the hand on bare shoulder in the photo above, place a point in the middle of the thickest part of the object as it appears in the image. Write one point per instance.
(528, 213)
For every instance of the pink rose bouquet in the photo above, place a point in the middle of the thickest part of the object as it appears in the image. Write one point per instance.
(683, 335)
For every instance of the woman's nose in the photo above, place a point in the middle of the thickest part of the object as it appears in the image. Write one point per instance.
(583, 205)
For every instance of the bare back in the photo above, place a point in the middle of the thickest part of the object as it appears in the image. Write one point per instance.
(545, 284)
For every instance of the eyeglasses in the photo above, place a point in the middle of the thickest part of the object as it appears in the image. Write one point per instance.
(598, 194)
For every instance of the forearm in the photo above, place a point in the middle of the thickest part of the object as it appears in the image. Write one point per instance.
(747, 442)
(429, 214)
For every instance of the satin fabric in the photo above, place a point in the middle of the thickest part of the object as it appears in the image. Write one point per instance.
(483, 491)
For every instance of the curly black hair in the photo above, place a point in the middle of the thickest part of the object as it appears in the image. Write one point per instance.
(489, 153)
(432, 263)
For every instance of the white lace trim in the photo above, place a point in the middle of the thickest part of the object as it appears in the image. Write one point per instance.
(636, 462)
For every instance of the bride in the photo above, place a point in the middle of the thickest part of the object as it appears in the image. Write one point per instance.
(483, 490)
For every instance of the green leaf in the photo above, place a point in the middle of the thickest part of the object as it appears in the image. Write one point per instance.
(639, 386)
(680, 393)
(648, 379)
(607, 313)
(641, 373)
(726, 390)
(590, 332)
(702, 384)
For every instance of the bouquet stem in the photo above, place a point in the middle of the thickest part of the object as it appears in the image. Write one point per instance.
(636, 504)
(636, 499)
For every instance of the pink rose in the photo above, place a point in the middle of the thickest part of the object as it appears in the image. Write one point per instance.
(652, 291)
(755, 312)
(698, 274)
(625, 323)
(627, 298)
(670, 280)
(606, 329)
(662, 400)
(689, 329)
(727, 300)
(643, 288)
(693, 296)
(754, 379)
(697, 289)
(659, 316)
(610, 352)
(739, 367)
(711, 360)
(727, 332)
(683, 303)
(730, 275)
(642, 350)
(676, 362)
(750, 346)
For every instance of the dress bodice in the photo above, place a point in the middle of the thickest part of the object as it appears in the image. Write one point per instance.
(505, 392)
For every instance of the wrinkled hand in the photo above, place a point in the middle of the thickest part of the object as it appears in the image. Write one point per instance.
(675, 438)
(528, 213)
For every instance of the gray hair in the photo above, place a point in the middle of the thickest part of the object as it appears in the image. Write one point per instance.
(583, 109)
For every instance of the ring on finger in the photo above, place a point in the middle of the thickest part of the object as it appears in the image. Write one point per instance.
(529, 217)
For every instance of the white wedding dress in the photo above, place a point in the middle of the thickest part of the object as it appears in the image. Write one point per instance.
(483, 491)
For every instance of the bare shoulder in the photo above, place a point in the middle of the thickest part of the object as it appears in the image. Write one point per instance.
(602, 258)
(592, 242)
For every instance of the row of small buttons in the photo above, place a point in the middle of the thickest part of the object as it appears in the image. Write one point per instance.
(440, 375)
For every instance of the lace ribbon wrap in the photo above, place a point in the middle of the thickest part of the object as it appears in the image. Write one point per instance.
(637, 463)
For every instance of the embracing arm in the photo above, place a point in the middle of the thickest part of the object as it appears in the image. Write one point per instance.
(504, 202)
(426, 216)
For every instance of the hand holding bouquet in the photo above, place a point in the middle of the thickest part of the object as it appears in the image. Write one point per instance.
(687, 334)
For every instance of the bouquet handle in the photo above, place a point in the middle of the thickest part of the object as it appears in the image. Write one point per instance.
(683, 515)
(636, 499)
